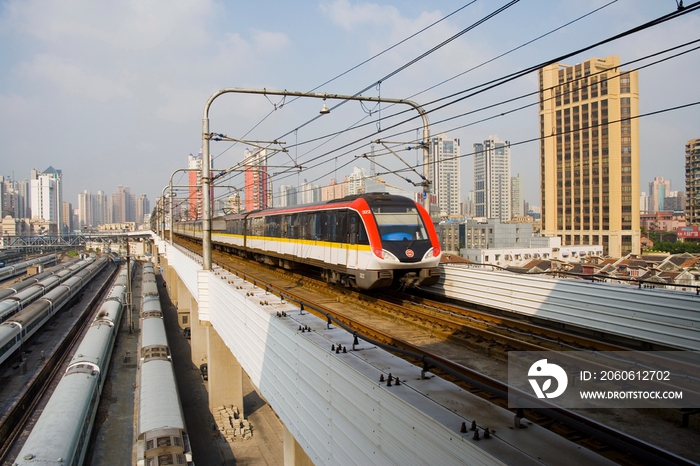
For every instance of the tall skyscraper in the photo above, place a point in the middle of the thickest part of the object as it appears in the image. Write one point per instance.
(257, 195)
(443, 173)
(659, 189)
(85, 210)
(123, 205)
(492, 179)
(589, 154)
(310, 193)
(102, 209)
(644, 203)
(517, 206)
(47, 195)
(194, 163)
(288, 195)
(143, 207)
(66, 217)
(356, 181)
(22, 206)
(692, 182)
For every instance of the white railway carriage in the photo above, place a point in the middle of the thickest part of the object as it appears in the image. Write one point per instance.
(162, 437)
(22, 325)
(149, 289)
(62, 432)
(8, 308)
(367, 241)
(19, 268)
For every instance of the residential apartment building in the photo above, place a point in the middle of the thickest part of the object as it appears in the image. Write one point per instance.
(589, 154)
(194, 176)
(258, 194)
(443, 173)
(517, 188)
(692, 182)
(288, 196)
(659, 189)
(492, 183)
(47, 195)
(143, 207)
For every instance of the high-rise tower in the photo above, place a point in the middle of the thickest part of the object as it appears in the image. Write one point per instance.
(257, 195)
(492, 179)
(194, 164)
(692, 182)
(589, 154)
(47, 195)
(444, 173)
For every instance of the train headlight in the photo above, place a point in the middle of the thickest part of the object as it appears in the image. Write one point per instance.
(389, 256)
(432, 252)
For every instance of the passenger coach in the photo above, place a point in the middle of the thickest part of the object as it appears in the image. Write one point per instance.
(367, 241)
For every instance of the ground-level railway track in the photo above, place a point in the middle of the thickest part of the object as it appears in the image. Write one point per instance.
(442, 319)
(14, 422)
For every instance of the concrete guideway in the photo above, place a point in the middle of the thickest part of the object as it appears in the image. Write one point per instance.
(333, 407)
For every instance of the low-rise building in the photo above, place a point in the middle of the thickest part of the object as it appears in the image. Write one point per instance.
(514, 245)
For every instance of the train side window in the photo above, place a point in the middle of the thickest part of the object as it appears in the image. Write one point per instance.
(353, 219)
(311, 225)
(303, 227)
(294, 226)
(322, 226)
(332, 226)
(341, 231)
(364, 238)
(272, 226)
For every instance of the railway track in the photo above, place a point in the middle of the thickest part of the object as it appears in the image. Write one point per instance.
(397, 321)
(17, 421)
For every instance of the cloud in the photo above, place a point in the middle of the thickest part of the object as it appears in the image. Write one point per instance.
(133, 25)
(269, 41)
(350, 17)
(77, 81)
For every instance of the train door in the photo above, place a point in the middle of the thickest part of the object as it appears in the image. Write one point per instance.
(340, 237)
(353, 233)
(328, 220)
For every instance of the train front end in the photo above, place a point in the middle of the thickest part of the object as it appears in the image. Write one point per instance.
(402, 240)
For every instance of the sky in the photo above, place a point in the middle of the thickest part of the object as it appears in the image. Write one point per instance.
(113, 93)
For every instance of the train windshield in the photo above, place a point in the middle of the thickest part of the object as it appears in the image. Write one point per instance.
(399, 223)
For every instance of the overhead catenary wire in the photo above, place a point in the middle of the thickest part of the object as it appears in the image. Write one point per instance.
(507, 78)
(537, 92)
(500, 81)
(434, 48)
(364, 62)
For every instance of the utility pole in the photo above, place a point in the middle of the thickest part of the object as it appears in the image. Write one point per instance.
(128, 285)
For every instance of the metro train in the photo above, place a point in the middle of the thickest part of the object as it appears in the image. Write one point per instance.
(26, 295)
(62, 432)
(16, 269)
(21, 326)
(162, 436)
(368, 241)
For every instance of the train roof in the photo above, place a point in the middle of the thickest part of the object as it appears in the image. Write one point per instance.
(153, 332)
(149, 289)
(150, 304)
(58, 428)
(94, 346)
(371, 199)
(159, 405)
